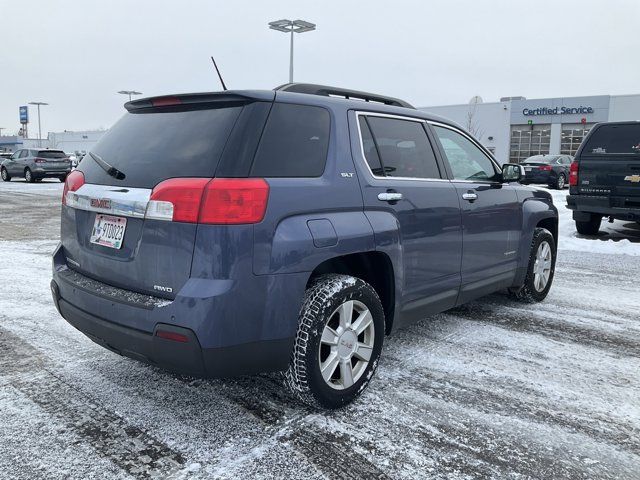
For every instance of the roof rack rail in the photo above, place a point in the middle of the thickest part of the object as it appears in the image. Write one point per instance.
(327, 91)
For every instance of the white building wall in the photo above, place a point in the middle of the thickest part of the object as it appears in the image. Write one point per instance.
(489, 124)
(624, 107)
(71, 142)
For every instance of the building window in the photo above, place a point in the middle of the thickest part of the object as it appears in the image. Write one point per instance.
(572, 136)
(529, 140)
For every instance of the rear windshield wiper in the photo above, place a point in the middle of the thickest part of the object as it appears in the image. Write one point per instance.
(111, 170)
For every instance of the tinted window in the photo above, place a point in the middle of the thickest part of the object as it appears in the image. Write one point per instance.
(467, 161)
(151, 147)
(404, 148)
(294, 143)
(50, 154)
(369, 148)
(24, 153)
(614, 139)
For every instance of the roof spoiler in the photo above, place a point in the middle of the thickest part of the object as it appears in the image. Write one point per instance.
(328, 91)
(193, 99)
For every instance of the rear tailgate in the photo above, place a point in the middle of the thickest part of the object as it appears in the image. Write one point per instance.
(609, 164)
(105, 234)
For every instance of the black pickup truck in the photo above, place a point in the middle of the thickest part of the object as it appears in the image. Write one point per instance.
(604, 179)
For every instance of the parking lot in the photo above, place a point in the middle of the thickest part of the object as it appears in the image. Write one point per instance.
(491, 389)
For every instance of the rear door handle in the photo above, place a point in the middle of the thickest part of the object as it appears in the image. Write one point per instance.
(470, 196)
(389, 196)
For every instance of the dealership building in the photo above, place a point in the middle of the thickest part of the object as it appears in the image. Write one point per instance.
(516, 127)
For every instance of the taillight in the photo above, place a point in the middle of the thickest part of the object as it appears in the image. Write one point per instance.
(40, 160)
(72, 183)
(213, 201)
(177, 199)
(234, 201)
(545, 168)
(573, 173)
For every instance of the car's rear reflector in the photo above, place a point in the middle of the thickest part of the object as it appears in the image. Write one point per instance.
(174, 336)
(41, 160)
(72, 183)
(224, 201)
(573, 173)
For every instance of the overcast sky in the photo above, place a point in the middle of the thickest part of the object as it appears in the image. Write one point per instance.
(76, 54)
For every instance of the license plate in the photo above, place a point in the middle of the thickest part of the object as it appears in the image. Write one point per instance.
(527, 169)
(108, 231)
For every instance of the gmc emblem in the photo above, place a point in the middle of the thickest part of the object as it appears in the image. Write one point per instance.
(102, 203)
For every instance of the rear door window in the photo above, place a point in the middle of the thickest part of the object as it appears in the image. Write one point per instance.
(614, 139)
(403, 148)
(150, 147)
(369, 149)
(294, 143)
(466, 160)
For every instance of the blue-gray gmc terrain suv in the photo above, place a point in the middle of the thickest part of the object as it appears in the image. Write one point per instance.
(238, 232)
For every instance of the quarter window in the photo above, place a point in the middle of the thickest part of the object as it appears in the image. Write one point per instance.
(401, 149)
(467, 161)
(294, 143)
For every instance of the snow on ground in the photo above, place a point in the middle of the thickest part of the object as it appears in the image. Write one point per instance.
(490, 389)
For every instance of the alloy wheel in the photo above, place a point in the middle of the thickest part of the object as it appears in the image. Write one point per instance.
(542, 267)
(346, 345)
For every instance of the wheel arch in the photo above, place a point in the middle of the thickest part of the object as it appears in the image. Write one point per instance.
(373, 267)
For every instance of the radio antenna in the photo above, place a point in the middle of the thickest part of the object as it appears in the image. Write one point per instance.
(224, 87)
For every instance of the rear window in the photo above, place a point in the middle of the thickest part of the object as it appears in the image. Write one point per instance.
(151, 147)
(51, 154)
(609, 139)
(294, 143)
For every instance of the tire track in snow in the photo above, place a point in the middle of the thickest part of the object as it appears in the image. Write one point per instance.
(128, 447)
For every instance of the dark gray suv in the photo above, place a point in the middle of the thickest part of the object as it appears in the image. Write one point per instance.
(36, 164)
(238, 232)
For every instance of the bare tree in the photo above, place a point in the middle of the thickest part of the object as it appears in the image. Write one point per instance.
(473, 126)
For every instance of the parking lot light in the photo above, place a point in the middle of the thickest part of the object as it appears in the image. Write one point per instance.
(291, 27)
(39, 129)
(129, 92)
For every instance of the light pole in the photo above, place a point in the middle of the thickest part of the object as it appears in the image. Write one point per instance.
(292, 26)
(129, 92)
(39, 129)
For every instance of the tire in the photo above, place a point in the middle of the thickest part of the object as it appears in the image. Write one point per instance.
(62, 178)
(560, 182)
(322, 339)
(28, 176)
(5, 175)
(540, 270)
(590, 227)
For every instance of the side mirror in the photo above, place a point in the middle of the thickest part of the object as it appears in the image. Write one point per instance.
(512, 172)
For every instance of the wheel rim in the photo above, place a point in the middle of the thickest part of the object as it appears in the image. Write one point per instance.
(346, 345)
(560, 181)
(27, 175)
(4, 174)
(542, 267)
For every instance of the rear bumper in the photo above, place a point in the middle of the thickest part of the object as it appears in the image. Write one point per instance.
(98, 314)
(538, 178)
(45, 172)
(584, 205)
